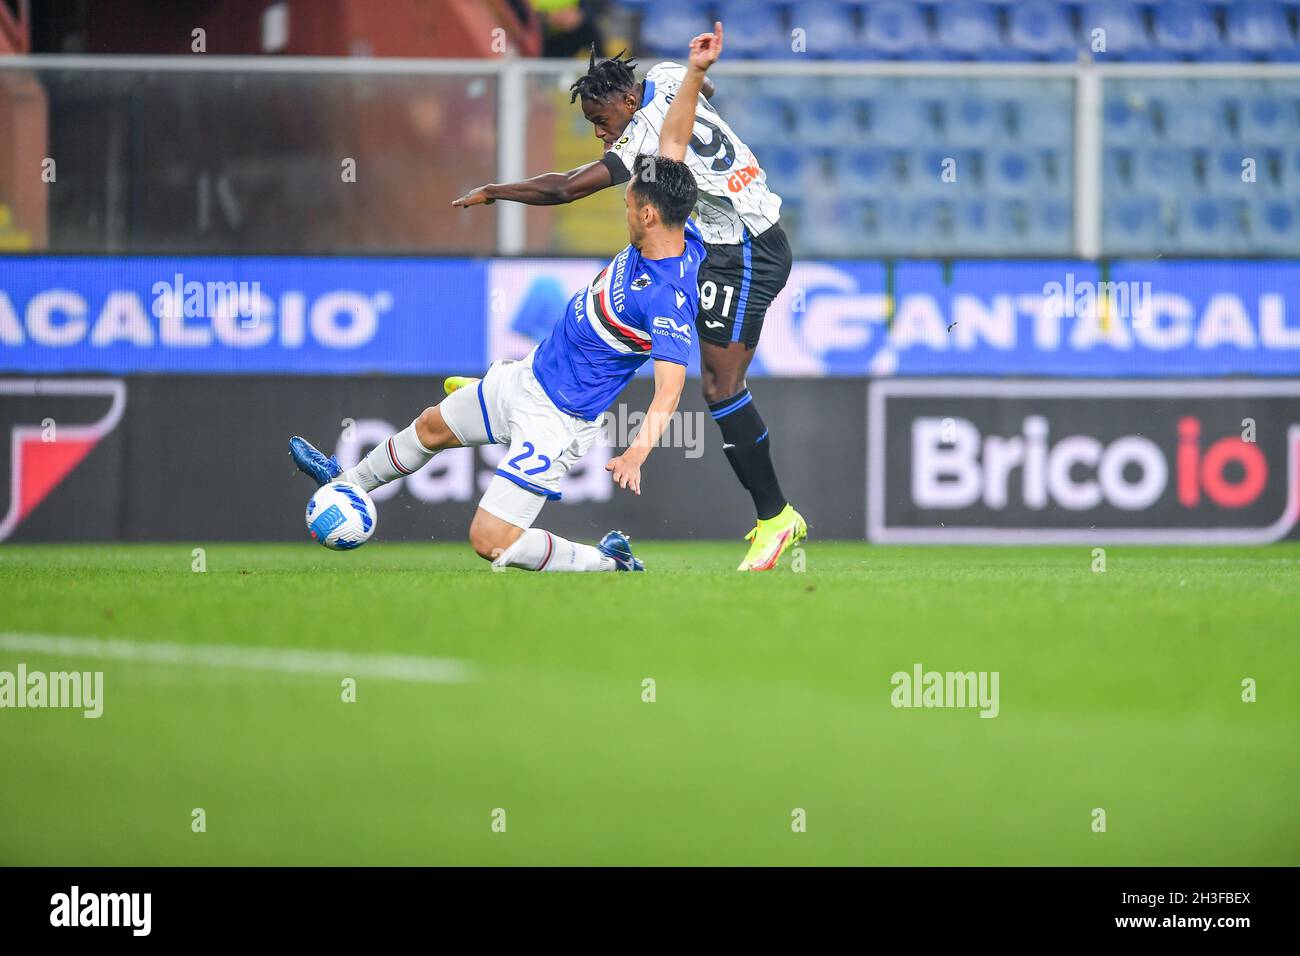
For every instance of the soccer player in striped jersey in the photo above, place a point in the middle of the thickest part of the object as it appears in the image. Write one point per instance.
(547, 407)
(747, 266)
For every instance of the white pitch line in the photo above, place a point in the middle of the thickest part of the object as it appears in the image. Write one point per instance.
(424, 670)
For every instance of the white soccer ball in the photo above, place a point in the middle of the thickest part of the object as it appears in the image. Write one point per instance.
(341, 516)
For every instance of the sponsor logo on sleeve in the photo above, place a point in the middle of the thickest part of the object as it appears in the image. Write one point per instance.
(680, 331)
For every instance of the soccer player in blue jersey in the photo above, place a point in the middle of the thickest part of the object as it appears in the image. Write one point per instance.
(748, 265)
(547, 407)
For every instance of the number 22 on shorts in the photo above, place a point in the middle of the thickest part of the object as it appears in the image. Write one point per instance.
(528, 452)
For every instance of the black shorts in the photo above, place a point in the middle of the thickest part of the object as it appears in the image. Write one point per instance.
(737, 284)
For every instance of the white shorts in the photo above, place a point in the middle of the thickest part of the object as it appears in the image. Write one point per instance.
(509, 407)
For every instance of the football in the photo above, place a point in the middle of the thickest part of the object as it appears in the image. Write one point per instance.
(341, 516)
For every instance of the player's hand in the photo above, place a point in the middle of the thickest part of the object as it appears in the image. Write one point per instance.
(626, 472)
(475, 197)
(706, 48)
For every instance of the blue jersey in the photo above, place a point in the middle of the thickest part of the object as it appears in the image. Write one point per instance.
(635, 309)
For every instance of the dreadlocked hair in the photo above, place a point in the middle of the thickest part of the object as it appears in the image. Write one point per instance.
(605, 78)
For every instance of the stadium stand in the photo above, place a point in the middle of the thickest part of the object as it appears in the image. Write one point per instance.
(980, 30)
(1189, 166)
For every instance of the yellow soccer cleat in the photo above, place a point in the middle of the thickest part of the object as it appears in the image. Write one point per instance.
(771, 538)
(456, 382)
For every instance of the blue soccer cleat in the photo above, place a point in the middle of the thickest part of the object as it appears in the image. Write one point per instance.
(616, 545)
(310, 461)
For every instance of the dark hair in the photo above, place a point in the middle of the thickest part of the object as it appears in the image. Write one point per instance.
(604, 78)
(666, 184)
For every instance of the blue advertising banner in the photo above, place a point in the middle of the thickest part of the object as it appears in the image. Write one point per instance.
(315, 315)
(246, 315)
(1066, 318)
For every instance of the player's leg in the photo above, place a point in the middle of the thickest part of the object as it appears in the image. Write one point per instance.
(404, 453)
(745, 437)
(461, 419)
(508, 544)
(545, 443)
(737, 284)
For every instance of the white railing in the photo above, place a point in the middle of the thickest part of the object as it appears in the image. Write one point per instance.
(513, 73)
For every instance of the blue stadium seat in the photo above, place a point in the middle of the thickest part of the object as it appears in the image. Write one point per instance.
(925, 172)
(1051, 226)
(862, 173)
(929, 88)
(1186, 28)
(1165, 171)
(900, 120)
(972, 225)
(1274, 226)
(832, 227)
(1224, 171)
(670, 25)
(895, 29)
(1116, 171)
(1260, 28)
(1046, 120)
(1130, 226)
(1011, 221)
(752, 33)
(1209, 226)
(968, 30)
(759, 120)
(1289, 170)
(1014, 172)
(1194, 120)
(1125, 121)
(786, 167)
(1125, 31)
(828, 121)
(1269, 119)
(859, 89)
(787, 87)
(985, 225)
(928, 223)
(1058, 162)
(1041, 28)
(974, 121)
(830, 30)
(882, 222)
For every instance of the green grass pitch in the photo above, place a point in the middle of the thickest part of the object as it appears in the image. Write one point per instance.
(1119, 690)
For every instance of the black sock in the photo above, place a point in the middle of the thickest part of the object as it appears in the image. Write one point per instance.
(749, 450)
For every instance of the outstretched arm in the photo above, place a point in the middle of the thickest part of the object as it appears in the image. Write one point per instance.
(670, 378)
(548, 189)
(680, 121)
